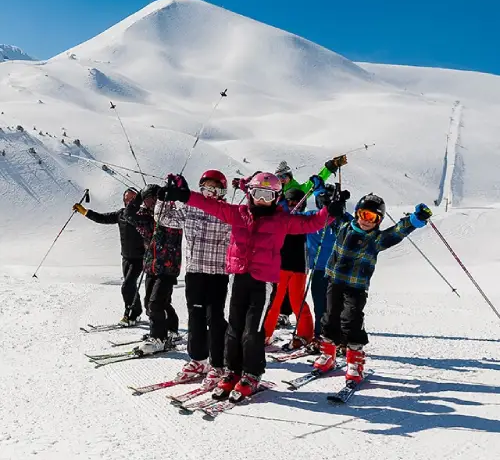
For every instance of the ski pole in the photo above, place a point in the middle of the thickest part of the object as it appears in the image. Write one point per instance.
(308, 194)
(113, 107)
(427, 259)
(86, 197)
(223, 94)
(309, 281)
(464, 268)
(90, 160)
(234, 193)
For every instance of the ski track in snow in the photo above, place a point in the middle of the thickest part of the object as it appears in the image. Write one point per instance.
(431, 377)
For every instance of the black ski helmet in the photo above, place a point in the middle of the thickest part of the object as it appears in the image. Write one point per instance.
(151, 190)
(295, 195)
(372, 203)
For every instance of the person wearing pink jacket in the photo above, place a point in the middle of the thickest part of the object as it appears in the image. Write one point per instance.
(257, 235)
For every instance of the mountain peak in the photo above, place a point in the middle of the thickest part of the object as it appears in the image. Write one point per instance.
(13, 53)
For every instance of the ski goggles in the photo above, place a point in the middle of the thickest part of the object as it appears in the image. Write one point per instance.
(263, 194)
(210, 192)
(282, 176)
(368, 216)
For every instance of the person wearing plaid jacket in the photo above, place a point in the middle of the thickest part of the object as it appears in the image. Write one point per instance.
(207, 281)
(349, 271)
(160, 224)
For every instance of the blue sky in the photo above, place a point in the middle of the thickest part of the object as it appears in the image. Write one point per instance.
(460, 34)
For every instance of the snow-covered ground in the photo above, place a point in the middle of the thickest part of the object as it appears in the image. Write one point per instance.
(435, 356)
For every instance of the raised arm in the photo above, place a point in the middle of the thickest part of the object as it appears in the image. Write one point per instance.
(223, 211)
(301, 224)
(103, 218)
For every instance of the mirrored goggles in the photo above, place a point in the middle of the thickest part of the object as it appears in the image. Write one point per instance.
(283, 176)
(211, 192)
(368, 216)
(263, 194)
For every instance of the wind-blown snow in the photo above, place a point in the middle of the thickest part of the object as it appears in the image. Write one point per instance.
(436, 357)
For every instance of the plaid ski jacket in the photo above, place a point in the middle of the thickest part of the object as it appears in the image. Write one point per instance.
(207, 241)
(355, 252)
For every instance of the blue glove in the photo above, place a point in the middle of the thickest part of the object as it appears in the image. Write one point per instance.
(318, 185)
(421, 215)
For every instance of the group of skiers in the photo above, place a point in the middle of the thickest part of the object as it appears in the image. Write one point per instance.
(266, 243)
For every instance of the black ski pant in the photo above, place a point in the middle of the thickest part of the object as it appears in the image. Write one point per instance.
(162, 316)
(132, 269)
(244, 342)
(319, 286)
(343, 321)
(206, 298)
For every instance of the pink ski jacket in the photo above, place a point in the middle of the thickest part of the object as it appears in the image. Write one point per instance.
(255, 244)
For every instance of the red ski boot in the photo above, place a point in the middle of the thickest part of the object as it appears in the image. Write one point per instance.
(326, 360)
(246, 387)
(226, 385)
(355, 360)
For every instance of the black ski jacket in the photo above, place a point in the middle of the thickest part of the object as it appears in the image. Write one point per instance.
(131, 241)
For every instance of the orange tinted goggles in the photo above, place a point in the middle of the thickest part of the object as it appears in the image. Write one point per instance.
(369, 216)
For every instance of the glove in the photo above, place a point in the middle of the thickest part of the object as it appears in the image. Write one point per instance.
(345, 195)
(336, 163)
(79, 208)
(318, 184)
(421, 215)
(336, 208)
(178, 189)
(236, 182)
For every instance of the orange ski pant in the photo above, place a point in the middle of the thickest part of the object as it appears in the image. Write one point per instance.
(295, 283)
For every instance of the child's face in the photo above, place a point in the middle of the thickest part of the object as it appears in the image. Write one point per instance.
(366, 225)
(209, 188)
(284, 178)
(262, 202)
(150, 202)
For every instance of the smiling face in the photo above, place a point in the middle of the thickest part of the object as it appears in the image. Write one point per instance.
(366, 225)
(128, 197)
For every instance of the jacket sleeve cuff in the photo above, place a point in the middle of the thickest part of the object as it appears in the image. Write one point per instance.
(416, 222)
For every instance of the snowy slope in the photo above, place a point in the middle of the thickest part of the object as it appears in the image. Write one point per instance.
(9, 52)
(436, 134)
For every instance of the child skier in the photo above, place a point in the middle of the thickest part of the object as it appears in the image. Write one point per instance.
(161, 228)
(284, 174)
(324, 194)
(350, 268)
(132, 249)
(206, 283)
(292, 279)
(257, 235)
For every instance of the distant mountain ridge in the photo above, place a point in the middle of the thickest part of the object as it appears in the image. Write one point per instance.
(13, 53)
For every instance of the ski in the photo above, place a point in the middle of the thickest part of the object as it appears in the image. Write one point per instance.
(178, 338)
(299, 382)
(235, 399)
(343, 395)
(137, 391)
(110, 327)
(304, 351)
(197, 405)
(179, 400)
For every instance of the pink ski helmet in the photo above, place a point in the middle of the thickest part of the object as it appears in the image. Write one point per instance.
(265, 186)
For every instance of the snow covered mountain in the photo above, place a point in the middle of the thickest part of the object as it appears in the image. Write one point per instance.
(9, 52)
(436, 141)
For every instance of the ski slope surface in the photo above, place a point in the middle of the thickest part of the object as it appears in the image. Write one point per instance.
(435, 391)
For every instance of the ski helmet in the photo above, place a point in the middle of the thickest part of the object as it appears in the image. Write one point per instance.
(151, 190)
(213, 174)
(372, 203)
(265, 181)
(295, 195)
